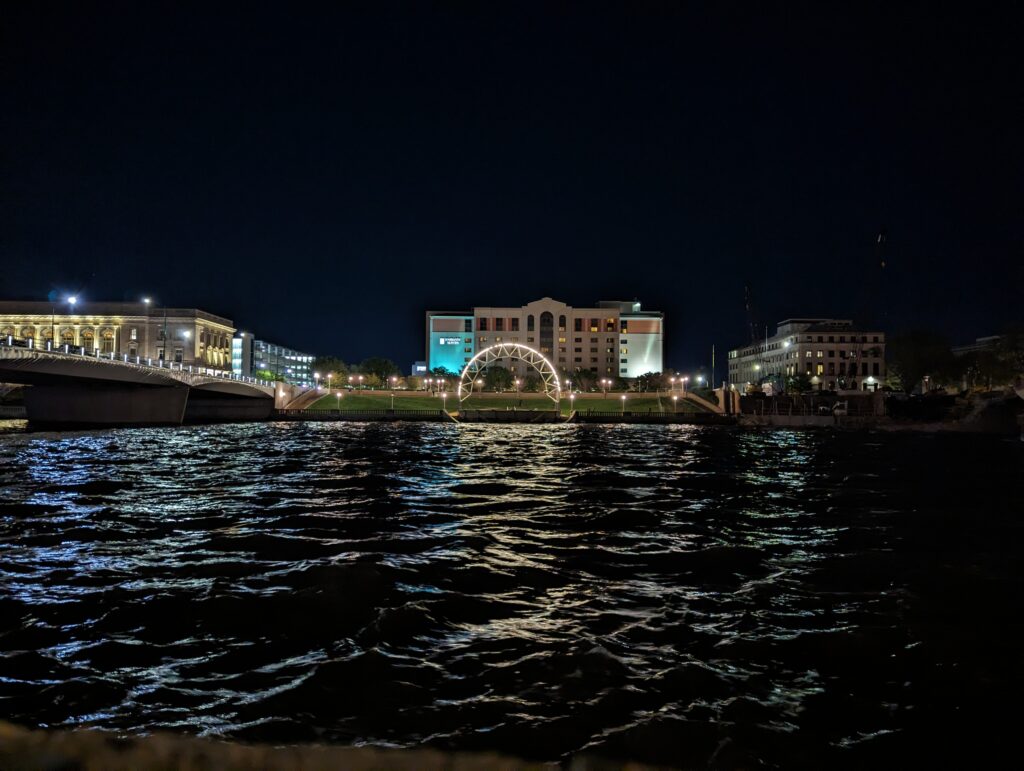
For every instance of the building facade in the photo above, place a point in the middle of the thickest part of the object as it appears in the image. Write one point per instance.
(184, 335)
(834, 353)
(250, 356)
(613, 339)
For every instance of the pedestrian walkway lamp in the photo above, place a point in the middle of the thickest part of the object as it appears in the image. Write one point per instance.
(623, 405)
(674, 400)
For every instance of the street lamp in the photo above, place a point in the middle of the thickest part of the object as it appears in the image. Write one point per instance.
(316, 380)
(444, 401)
(338, 394)
(672, 383)
(517, 385)
(685, 379)
(572, 398)
(623, 405)
(674, 400)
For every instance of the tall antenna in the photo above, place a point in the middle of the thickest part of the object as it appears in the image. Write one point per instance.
(748, 299)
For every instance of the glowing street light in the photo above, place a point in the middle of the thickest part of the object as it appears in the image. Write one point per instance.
(517, 385)
(674, 400)
(572, 398)
(444, 401)
(623, 397)
(316, 380)
(338, 394)
(360, 382)
(685, 379)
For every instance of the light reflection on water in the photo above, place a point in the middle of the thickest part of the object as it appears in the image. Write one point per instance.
(675, 594)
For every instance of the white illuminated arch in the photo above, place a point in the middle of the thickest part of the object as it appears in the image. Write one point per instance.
(488, 356)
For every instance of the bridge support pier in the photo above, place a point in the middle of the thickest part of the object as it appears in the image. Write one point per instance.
(105, 404)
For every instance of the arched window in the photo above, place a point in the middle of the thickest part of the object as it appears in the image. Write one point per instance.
(107, 340)
(28, 332)
(88, 339)
(529, 323)
(561, 323)
(7, 332)
(67, 336)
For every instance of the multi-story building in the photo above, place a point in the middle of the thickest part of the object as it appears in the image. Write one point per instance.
(250, 356)
(834, 353)
(185, 335)
(613, 339)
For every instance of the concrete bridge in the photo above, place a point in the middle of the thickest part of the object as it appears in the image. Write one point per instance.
(74, 387)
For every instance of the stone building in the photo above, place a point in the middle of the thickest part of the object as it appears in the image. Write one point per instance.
(186, 335)
(834, 353)
(613, 339)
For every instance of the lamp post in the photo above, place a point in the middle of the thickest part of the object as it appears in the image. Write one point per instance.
(674, 400)
(623, 413)
(572, 399)
(360, 382)
(71, 302)
(517, 385)
(316, 380)
(444, 401)
(329, 376)
(685, 380)
(338, 394)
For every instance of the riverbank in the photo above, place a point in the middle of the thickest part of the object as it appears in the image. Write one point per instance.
(90, 750)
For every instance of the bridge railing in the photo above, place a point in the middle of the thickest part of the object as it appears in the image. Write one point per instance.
(29, 347)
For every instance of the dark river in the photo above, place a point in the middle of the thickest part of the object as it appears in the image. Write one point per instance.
(677, 595)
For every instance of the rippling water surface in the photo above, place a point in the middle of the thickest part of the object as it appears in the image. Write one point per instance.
(678, 595)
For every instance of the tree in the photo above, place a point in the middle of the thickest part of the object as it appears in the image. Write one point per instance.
(379, 368)
(649, 381)
(798, 383)
(333, 366)
(584, 379)
(264, 374)
(497, 378)
(531, 384)
(915, 354)
(442, 372)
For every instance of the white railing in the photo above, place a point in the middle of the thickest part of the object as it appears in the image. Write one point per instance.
(28, 347)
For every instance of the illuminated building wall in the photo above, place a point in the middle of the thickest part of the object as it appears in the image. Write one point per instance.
(250, 356)
(613, 339)
(835, 354)
(186, 335)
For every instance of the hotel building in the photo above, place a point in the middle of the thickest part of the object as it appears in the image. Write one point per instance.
(612, 339)
(834, 353)
(185, 335)
(249, 356)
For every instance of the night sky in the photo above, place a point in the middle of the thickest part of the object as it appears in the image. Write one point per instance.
(323, 178)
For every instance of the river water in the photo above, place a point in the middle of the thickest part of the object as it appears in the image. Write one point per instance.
(689, 596)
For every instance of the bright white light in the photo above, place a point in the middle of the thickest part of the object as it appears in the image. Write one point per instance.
(72, 300)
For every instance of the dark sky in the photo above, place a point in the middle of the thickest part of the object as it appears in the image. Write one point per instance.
(324, 177)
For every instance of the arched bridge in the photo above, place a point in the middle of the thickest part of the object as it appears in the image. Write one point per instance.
(71, 387)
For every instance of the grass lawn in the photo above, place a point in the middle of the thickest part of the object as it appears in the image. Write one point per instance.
(422, 401)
